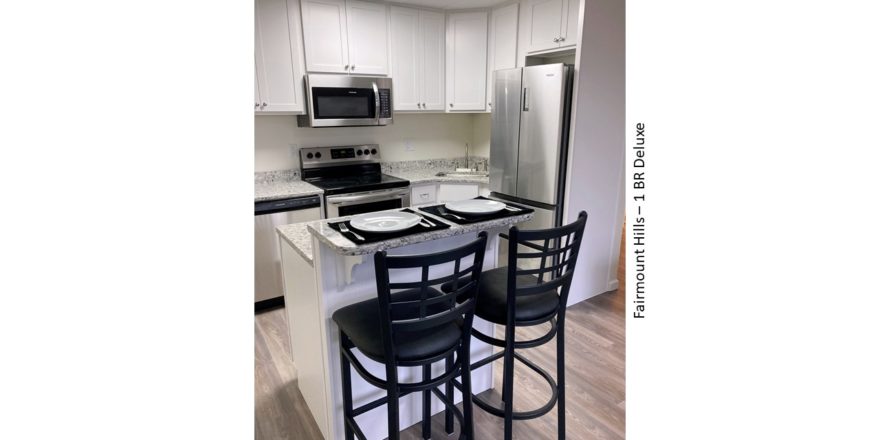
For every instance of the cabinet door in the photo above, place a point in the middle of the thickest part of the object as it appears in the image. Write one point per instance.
(432, 67)
(405, 56)
(278, 69)
(502, 45)
(544, 25)
(367, 38)
(257, 101)
(324, 35)
(570, 30)
(466, 40)
(451, 192)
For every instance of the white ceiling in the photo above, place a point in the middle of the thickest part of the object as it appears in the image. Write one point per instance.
(452, 4)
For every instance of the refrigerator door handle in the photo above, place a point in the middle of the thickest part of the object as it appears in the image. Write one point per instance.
(525, 99)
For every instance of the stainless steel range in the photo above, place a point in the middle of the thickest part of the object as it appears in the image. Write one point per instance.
(352, 180)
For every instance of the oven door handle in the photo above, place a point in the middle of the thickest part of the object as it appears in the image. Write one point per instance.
(332, 200)
(376, 95)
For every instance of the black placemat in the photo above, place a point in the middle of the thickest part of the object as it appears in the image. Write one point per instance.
(441, 211)
(372, 237)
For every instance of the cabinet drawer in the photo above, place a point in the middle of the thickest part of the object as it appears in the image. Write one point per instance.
(424, 194)
(450, 192)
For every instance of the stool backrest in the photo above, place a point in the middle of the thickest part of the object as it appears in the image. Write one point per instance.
(548, 254)
(432, 308)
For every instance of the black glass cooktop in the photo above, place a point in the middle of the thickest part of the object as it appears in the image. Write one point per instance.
(363, 182)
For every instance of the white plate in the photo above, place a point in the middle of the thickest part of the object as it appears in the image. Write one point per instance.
(384, 221)
(475, 206)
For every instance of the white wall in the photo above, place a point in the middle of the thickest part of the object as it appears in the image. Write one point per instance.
(431, 135)
(482, 134)
(596, 159)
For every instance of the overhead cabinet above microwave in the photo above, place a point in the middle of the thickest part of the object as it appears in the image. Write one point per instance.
(345, 37)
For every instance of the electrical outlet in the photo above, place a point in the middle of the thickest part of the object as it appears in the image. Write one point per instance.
(408, 146)
(294, 150)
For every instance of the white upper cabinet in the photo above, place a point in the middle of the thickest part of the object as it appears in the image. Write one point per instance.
(569, 36)
(324, 36)
(503, 26)
(433, 51)
(345, 37)
(367, 37)
(466, 41)
(278, 78)
(417, 59)
(405, 55)
(551, 24)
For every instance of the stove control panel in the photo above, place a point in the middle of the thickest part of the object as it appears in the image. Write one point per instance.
(317, 157)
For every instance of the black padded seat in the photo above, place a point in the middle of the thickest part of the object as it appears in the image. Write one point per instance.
(361, 323)
(492, 299)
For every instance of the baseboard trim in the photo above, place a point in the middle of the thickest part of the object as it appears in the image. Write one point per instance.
(268, 304)
(613, 285)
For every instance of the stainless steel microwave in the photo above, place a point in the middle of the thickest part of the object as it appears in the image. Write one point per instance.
(346, 101)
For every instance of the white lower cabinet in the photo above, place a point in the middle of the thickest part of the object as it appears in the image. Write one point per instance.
(423, 195)
(450, 192)
(433, 193)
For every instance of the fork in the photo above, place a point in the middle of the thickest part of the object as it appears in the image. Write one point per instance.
(455, 216)
(344, 228)
(512, 209)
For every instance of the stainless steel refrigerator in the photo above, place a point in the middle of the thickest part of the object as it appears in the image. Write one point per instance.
(529, 143)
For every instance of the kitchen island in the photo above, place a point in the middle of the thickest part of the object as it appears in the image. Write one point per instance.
(323, 272)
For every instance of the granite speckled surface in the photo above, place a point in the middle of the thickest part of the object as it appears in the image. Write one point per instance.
(344, 246)
(298, 236)
(425, 171)
(426, 176)
(283, 190)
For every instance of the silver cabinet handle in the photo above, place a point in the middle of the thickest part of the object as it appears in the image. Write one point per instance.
(256, 104)
(346, 67)
(556, 40)
(264, 104)
(561, 38)
(424, 105)
(352, 67)
(490, 104)
(450, 104)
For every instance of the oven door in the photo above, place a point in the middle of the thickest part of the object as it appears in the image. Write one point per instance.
(342, 205)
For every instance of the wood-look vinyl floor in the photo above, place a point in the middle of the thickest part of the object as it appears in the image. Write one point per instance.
(595, 399)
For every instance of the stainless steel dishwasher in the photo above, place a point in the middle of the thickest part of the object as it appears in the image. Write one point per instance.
(268, 289)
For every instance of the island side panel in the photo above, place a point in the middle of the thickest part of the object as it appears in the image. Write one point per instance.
(301, 304)
(346, 280)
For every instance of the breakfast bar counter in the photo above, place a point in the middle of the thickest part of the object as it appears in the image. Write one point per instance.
(341, 272)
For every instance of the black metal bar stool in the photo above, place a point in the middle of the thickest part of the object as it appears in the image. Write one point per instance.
(531, 290)
(417, 325)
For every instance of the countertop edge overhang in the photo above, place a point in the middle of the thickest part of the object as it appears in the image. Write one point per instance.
(342, 246)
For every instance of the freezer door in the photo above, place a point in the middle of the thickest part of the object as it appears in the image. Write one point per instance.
(504, 144)
(540, 138)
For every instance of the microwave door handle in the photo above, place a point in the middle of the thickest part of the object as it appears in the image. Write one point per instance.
(376, 96)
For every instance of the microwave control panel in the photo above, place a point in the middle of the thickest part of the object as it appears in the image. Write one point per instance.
(384, 103)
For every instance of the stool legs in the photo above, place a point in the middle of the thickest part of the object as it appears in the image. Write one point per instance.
(560, 377)
(450, 393)
(347, 408)
(507, 381)
(426, 404)
(467, 428)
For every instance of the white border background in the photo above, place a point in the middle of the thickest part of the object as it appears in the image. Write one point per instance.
(125, 242)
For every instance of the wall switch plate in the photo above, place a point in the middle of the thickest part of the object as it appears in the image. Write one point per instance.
(408, 146)
(294, 150)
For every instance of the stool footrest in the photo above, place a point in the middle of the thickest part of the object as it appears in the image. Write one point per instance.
(517, 415)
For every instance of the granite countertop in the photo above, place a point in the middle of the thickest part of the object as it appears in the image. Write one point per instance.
(423, 176)
(344, 246)
(299, 237)
(284, 189)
